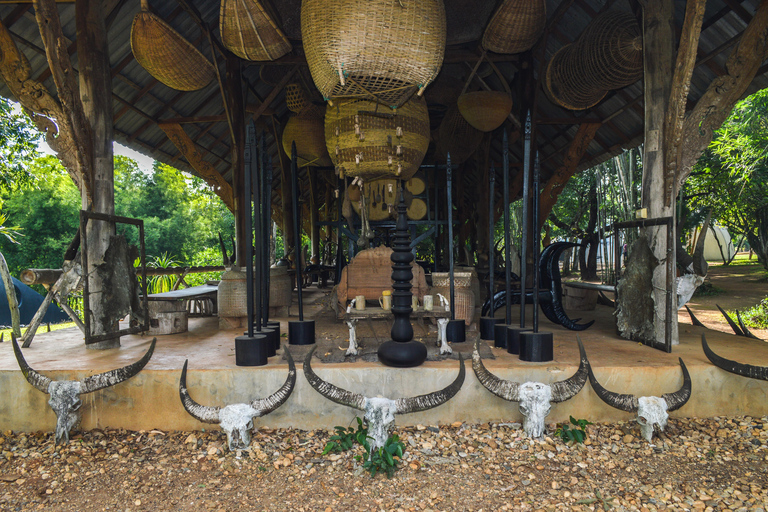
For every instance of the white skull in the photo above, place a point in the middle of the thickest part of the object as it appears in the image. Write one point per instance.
(534, 405)
(237, 421)
(651, 415)
(380, 416)
(65, 402)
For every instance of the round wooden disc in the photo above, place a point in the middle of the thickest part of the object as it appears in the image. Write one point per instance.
(416, 185)
(417, 210)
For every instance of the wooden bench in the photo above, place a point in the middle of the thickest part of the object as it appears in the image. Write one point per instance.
(375, 313)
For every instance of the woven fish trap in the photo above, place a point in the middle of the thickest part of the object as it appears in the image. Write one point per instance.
(457, 137)
(307, 130)
(296, 98)
(485, 110)
(608, 55)
(367, 140)
(384, 49)
(249, 31)
(166, 55)
(516, 26)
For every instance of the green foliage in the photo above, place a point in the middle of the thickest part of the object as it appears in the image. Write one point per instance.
(345, 438)
(708, 290)
(18, 147)
(757, 315)
(385, 459)
(162, 284)
(575, 434)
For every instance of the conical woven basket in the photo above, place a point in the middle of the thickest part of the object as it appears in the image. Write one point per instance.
(249, 31)
(485, 110)
(607, 55)
(385, 49)
(516, 26)
(167, 56)
(367, 140)
(457, 137)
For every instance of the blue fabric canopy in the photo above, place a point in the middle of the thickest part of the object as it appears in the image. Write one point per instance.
(29, 302)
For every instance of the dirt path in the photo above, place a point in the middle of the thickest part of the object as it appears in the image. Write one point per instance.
(742, 287)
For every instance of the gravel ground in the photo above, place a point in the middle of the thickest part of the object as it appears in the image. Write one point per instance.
(698, 464)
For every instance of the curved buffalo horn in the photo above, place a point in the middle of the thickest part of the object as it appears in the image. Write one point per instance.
(678, 399)
(565, 389)
(694, 321)
(730, 321)
(41, 382)
(552, 269)
(743, 327)
(745, 370)
(112, 377)
(506, 389)
(278, 398)
(329, 391)
(627, 403)
(200, 412)
(431, 400)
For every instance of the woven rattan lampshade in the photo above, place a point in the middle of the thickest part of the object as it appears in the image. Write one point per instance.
(249, 31)
(364, 48)
(167, 56)
(367, 140)
(485, 110)
(457, 136)
(307, 130)
(608, 55)
(516, 26)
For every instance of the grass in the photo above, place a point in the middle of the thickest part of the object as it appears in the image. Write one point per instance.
(6, 333)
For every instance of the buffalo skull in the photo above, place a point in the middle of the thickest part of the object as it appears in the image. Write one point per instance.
(534, 397)
(65, 394)
(651, 410)
(237, 419)
(380, 412)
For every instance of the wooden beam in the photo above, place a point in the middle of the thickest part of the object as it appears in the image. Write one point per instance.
(275, 91)
(207, 172)
(556, 183)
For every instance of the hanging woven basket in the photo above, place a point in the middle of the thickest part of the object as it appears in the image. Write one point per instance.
(166, 55)
(607, 55)
(307, 130)
(485, 110)
(249, 31)
(367, 140)
(383, 49)
(516, 26)
(457, 137)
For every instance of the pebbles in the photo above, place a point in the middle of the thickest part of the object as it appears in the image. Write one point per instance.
(712, 464)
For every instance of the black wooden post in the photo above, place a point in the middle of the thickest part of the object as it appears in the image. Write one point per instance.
(456, 329)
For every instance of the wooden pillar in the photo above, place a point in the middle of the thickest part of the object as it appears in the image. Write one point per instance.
(659, 56)
(285, 191)
(314, 247)
(96, 98)
(234, 96)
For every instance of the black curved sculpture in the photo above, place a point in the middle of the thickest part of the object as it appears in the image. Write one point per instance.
(552, 303)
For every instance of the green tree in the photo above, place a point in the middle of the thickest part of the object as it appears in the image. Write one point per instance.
(18, 146)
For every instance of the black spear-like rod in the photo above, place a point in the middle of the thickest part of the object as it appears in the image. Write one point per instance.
(526, 219)
(296, 224)
(491, 245)
(248, 263)
(266, 212)
(256, 194)
(507, 251)
(449, 179)
(536, 243)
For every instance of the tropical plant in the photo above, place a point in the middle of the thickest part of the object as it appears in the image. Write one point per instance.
(386, 458)
(576, 434)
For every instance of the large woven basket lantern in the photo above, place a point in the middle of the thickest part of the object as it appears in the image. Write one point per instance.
(385, 49)
(516, 26)
(485, 110)
(166, 55)
(367, 140)
(607, 55)
(249, 30)
(306, 129)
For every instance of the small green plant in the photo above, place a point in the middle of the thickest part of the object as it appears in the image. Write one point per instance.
(570, 434)
(757, 315)
(385, 459)
(345, 438)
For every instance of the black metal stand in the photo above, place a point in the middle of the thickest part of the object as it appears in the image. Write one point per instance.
(301, 332)
(402, 351)
(251, 349)
(455, 330)
(500, 330)
(488, 323)
(536, 346)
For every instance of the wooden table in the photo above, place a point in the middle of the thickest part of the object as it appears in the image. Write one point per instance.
(374, 313)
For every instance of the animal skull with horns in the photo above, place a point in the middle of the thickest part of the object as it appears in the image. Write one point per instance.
(380, 412)
(237, 419)
(651, 410)
(535, 398)
(65, 394)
